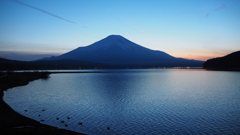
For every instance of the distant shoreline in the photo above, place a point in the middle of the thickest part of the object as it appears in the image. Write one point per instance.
(12, 122)
(222, 69)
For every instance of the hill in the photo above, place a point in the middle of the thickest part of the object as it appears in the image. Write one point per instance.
(6, 64)
(228, 62)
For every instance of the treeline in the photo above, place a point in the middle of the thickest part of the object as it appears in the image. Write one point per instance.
(228, 62)
(6, 64)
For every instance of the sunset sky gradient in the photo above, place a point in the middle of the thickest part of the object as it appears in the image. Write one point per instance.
(193, 29)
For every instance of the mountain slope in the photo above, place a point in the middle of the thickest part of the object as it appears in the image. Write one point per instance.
(118, 50)
(228, 62)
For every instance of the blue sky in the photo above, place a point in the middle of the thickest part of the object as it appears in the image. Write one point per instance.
(193, 29)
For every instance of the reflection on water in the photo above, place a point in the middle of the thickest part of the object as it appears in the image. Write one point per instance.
(134, 101)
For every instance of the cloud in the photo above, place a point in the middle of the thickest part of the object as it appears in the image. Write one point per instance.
(223, 6)
(41, 10)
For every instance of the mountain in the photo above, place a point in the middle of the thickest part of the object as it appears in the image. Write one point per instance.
(6, 64)
(228, 62)
(116, 50)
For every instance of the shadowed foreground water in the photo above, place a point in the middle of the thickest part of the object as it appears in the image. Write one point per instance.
(153, 101)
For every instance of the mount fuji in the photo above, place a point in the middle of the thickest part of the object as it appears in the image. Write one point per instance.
(116, 50)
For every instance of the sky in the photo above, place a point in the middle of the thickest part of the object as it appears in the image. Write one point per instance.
(192, 29)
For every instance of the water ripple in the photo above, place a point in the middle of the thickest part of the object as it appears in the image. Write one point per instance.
(156, 102)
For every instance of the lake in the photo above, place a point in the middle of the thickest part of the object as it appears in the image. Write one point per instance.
(140, 101)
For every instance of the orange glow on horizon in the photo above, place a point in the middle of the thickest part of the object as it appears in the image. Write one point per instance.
(202, 57)
(200, 54)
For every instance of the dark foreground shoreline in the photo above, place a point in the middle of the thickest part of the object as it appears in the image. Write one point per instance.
(11, 122)
(222, 69)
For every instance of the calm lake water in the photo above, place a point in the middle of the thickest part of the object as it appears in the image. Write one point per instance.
(149, 101)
